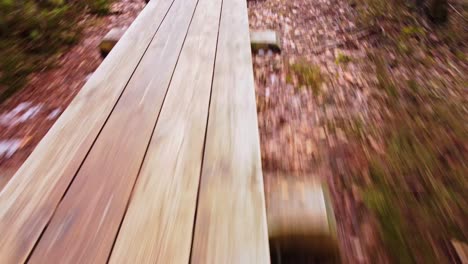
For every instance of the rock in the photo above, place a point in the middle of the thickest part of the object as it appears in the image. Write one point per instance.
(9, 147)
(311, 148)
(277, 64)
(341, 136)
(392, 60)
(357, 248)
(54, 114)
(20, 114)
(110, 40)
(301, 220)
(420, 55)
(433, 37)
(9, 117)
(261, 52)
(376, 146)
(266, 39)
(89, 76)
(349, 77)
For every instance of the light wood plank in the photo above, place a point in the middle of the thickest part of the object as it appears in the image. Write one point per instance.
(84, 227)
(462, 250)
(31, 196)
(159, 222)
(231, 222)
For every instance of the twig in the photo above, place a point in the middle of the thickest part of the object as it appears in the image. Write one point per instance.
(456, 11)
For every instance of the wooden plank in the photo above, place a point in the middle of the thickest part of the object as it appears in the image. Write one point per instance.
(29, 199)
(84, 227)
(159, 222)
(231, 222)
(461, 249)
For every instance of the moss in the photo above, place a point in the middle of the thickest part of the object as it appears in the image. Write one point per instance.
(100, 7)
(289, 78)
(391, 226)
(460, 55)
(413, 85)
(355, 127)
(342, 59)
(383, 77)
(412, 31)
(412, 180)
(376, 172)
(33, 33)
(404, 48)
(308, 75)
(419, 182)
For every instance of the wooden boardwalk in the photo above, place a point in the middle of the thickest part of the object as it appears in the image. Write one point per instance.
(157, 158)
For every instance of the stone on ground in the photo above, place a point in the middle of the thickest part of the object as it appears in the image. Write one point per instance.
(301, 220)
(110, 39)
(265, 39)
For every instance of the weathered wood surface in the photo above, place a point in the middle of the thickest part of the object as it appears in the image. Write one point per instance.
(84, 226)
(159, 222)
(231, 223)
(30, 198)
(167, 128)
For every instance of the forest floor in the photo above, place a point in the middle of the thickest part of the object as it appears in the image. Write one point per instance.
(376, 110)
(375, 106)
(26, 116)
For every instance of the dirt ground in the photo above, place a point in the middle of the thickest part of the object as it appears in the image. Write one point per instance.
(294, 122)
(331, 132)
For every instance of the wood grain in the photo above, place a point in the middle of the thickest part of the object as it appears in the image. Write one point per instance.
(84, 227)
(462, 250)
(29, 199)
(159, 222)
(231, 222)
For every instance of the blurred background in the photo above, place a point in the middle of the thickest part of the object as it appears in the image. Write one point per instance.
(368, 96)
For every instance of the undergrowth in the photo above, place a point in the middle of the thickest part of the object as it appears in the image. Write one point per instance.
(307, 75)
(419, 184)
(418, 188)
(342, 59)
(34, 32)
